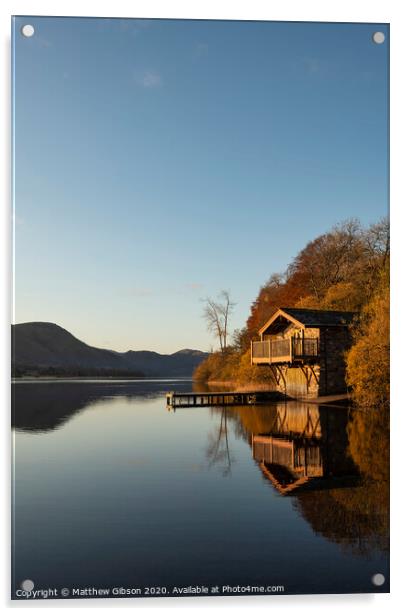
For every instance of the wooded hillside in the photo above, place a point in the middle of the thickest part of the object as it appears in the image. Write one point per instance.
(346, 268)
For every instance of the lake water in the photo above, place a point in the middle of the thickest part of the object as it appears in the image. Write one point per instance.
(112, 490)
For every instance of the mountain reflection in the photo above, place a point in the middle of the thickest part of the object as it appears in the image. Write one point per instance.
(43, 407)
(333, 463)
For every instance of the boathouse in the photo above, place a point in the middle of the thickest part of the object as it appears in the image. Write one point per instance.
(305, 350)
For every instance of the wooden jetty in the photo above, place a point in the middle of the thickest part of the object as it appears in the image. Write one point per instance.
(219, 398)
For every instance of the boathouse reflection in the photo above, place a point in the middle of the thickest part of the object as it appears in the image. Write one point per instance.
(305, 447)
(334, 462)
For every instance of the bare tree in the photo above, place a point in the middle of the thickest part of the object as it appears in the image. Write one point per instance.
(217, 314)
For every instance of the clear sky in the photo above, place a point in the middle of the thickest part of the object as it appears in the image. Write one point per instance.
(160, 161)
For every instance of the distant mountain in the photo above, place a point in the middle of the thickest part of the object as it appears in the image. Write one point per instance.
(47, 349)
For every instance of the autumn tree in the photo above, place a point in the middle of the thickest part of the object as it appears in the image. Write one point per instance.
(368, 361)
(339, 270)
(279, 290)
(331, 259)
(342, 269)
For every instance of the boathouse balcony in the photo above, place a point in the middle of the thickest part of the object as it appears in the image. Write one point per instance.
(284, 351)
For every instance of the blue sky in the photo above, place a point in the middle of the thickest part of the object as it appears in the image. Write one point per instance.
(160, 161)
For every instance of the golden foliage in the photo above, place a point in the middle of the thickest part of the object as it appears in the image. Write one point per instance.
(339, 270)
(219, 366)
(369, 442)
(368, 361)
(343, 269)
(342, 296)
(231, 366)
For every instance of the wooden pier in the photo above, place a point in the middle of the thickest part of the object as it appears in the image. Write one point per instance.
(219, 398)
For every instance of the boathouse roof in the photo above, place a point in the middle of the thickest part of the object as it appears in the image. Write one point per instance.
(305, 317)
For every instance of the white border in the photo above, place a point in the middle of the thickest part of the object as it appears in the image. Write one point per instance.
(294, 10)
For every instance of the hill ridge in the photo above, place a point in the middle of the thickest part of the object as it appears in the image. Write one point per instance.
(43, 347)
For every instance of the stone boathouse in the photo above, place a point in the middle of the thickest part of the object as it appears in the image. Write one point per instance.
(305, 350)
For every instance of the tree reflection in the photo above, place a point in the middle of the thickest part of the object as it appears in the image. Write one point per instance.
(357, 518)
(218, 450)
(349, 503)
(369, 443)
(349, 517)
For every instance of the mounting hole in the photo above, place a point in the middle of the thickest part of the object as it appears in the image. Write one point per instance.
(27, 30)
(27, 585)
(378, 579)
(378, 38)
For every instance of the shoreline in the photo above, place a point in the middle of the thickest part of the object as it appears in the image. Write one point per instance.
(251, 386)
(22, 379)
(341, 399)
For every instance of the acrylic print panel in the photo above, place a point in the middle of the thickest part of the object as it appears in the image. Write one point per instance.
(200, 339)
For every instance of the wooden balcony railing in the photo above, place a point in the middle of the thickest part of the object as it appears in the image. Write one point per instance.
(285, 350)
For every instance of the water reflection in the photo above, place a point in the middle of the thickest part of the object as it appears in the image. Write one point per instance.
(46, 406)
(305, 447)
(122, 491)
(218, 450)
(333, 462)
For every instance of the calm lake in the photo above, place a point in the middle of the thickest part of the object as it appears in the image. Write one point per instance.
(111, 489)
